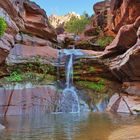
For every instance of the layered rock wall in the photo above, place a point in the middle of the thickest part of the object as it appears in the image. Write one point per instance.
(122, 20)
(27, 99)
(27, 19)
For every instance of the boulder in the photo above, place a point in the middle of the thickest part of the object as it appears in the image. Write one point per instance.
(123, 103)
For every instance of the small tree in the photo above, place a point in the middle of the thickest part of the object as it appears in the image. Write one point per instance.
(77, 25)
(3, 26)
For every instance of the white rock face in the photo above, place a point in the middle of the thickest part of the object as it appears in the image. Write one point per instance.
(56, 20)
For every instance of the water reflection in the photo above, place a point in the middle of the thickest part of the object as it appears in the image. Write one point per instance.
(85, 126)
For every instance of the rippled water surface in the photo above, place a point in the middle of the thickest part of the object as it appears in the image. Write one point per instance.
(85, 126)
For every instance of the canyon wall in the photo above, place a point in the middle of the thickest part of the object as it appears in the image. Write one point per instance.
(28, 28)
(122, 20)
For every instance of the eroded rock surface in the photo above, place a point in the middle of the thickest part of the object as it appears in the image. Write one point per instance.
(126, 66)
(123, 12)
(27, 99)
(26, 18)
(125, 39)
(123, 103)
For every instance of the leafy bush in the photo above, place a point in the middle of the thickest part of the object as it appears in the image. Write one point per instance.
(99, 86)
(14, 77)
(77, 25)
(3, 26)
(104, 41)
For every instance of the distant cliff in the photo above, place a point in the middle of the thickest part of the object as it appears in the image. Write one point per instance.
(57, 21)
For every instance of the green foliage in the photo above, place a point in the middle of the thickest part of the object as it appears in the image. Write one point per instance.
(35, 72)
(104, 41)
(15, 76)
(3, 26)
(99, 86)
(77, 25)
(92, 69)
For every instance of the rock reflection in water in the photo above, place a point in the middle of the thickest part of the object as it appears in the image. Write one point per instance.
(86, 126)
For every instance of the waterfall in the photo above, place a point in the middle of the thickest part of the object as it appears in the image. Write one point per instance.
(69, 100)
(69, 71)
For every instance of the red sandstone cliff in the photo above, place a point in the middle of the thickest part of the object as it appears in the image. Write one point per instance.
(27, 25)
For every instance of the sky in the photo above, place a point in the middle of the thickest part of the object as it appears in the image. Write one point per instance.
(62, 7)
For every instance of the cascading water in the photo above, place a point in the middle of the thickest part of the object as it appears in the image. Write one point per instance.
(69, 71)
(70, 101)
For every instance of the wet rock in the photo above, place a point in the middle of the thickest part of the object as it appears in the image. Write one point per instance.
(123, 103)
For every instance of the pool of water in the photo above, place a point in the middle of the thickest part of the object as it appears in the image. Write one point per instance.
(83, 126)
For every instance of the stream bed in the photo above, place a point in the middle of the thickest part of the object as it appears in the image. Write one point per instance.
(71, 126)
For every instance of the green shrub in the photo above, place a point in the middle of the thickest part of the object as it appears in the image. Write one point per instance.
(99, 86)
(77, 25)
(104, 41)
(92, 69)
(14, 77)
(3, 26)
